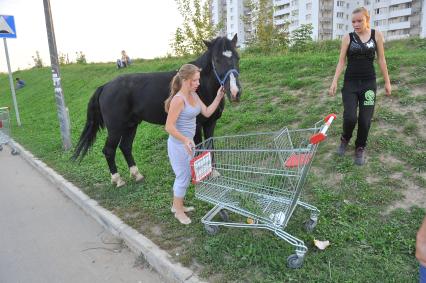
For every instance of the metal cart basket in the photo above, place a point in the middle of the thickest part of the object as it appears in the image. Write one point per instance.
(259, 176)
(5, 130)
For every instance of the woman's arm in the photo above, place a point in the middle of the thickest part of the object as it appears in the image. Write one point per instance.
(382, 61)
(208, 111)
(340, 64)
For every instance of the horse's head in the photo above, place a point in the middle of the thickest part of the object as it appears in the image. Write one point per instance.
(225, 65)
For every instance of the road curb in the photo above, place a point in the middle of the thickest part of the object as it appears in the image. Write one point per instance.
(159, 259)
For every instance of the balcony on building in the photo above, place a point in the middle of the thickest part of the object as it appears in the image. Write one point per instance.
(285, 11)
(400, 13)
(400, 25)
(382, 4)
(396, 2)
(281, 2)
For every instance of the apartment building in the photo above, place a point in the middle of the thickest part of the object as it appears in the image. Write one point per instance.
(398, 18)
(230, 14)
(331, 19)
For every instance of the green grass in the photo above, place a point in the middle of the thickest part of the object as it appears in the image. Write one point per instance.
(368, 243)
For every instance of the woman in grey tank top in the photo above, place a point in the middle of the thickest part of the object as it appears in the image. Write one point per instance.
(183, 106)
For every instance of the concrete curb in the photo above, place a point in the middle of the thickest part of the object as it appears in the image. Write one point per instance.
(159, 259)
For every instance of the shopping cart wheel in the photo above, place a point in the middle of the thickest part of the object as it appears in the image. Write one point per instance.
(294, 261)
(14, 152)
(211, 229)
(310, 225)
(224, 215)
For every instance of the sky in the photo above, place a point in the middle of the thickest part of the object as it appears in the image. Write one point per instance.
(98, 28)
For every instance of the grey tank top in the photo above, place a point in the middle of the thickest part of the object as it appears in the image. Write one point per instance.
(186, 121)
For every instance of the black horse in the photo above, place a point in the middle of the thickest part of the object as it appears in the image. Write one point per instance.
(121, 104)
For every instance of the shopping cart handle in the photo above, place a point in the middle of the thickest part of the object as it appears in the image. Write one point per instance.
(329, 116)
(319, 137)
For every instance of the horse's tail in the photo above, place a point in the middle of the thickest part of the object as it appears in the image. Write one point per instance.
(93, 124)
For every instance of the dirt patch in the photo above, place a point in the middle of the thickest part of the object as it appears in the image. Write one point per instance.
(131, 215)
(156, 230)
(390, 160)
(413, 111)
(418, 91)
(372, 179)
(276, 100)
(413, 196)
(396, 175)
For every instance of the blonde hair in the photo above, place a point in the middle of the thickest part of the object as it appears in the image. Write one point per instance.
(185, 72)
(365, 13)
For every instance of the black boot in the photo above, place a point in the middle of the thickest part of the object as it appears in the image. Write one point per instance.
(342, 147)
(359, 156)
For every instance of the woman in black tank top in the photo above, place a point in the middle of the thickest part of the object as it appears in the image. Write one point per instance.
(359, 87)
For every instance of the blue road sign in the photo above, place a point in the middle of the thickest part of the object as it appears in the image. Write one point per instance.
(7, 26)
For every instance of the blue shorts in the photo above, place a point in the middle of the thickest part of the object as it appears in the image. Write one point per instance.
(422, 272)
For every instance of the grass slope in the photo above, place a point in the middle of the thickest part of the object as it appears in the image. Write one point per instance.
(370, 214)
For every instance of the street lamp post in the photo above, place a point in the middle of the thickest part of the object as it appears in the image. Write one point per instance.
(60, 100)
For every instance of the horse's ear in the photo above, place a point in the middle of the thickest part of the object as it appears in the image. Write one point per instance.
(207, 43)
(234, 41)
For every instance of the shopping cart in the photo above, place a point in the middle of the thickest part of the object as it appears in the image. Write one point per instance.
(5, 130)
(260, 177)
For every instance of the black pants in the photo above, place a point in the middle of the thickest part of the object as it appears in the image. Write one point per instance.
(358, 94)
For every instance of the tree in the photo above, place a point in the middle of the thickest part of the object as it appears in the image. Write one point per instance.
(264, 33)
(38, 63)
(179, 45)
(63, 59)
(301, 38)
(80, 58)
(197, 26)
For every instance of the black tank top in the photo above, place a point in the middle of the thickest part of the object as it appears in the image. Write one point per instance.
(361, 58)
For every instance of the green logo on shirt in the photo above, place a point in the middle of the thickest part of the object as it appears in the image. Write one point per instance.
(369, 98)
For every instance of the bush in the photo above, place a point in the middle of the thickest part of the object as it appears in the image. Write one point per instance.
(301, 38)
(63, 59)
(38, 63)
(81, 58)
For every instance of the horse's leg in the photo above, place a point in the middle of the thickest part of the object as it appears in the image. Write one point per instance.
(126, 146)
(198, 138)
(208, 130)
(109, 150)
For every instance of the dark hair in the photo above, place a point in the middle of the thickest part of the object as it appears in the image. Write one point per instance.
(185, 72)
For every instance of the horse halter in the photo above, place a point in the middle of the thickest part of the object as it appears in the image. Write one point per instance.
(222, 82)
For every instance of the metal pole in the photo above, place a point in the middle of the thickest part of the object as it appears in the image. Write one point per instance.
(12, 86)
(60, 100)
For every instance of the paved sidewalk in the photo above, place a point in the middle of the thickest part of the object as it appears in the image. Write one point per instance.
(45, 237)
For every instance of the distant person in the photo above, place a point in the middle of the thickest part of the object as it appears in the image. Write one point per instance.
(421, 250)
(124, 61)
(359, 87)
(19, 83)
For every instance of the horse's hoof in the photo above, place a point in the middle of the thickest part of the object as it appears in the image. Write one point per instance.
(134, 172)
(120, 183)
(139, 178)
(116, 179)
